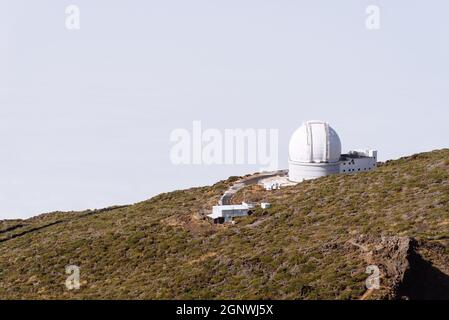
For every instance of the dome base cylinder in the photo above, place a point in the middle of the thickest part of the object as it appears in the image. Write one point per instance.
(300, 171)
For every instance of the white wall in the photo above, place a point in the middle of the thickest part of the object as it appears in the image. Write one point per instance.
(358, 165)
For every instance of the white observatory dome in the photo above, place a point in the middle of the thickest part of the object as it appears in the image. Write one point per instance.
(315, 142)
(314, 151)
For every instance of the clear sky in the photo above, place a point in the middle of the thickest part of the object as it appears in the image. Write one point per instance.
(86, 115)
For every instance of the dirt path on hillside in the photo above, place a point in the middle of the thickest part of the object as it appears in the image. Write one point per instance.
(226, 198)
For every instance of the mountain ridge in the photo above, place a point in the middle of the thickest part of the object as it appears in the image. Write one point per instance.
(302, 247)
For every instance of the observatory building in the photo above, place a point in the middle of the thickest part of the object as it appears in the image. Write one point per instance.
(315, 151)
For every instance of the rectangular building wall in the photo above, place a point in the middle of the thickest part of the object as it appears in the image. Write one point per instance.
(354, 165)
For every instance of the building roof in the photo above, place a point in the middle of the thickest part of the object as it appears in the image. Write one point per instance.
(315, 142)
(232, 207)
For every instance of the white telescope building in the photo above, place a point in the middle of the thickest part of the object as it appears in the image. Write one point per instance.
(315, 151)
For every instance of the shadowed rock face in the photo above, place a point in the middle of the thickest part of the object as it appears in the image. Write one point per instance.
(405, 273)
(423, 281)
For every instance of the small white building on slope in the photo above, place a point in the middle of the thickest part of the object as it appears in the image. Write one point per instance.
(315, 151)
(225, 213)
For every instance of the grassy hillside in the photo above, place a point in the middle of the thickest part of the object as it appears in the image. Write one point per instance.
(313, 243)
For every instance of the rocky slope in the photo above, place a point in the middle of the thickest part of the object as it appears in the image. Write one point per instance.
(314, 242)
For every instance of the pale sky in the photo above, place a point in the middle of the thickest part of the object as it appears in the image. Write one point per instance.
(86, 115)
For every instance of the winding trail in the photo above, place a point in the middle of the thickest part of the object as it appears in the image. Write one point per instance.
(226, 198)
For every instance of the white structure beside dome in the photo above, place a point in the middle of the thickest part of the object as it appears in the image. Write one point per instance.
(358, 161)
(315, 151)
